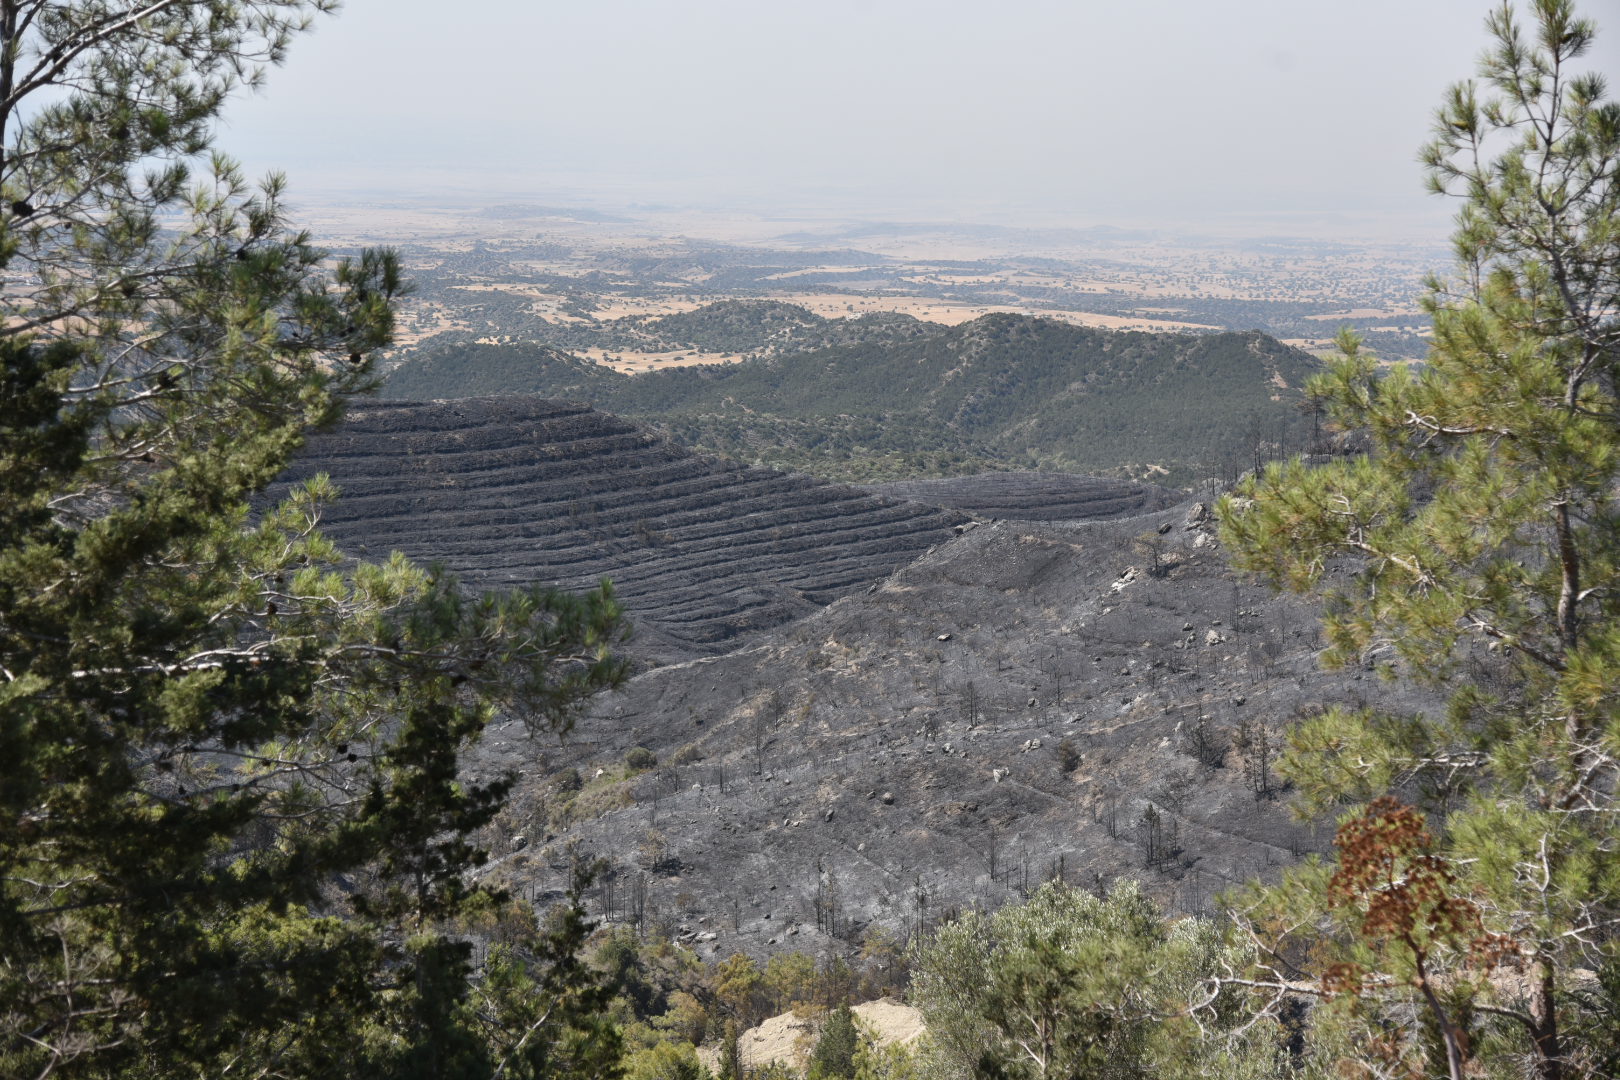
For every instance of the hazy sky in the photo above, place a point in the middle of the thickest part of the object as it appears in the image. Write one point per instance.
(1088, 109)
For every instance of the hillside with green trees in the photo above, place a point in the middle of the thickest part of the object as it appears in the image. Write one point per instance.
(742, 327)
(768, 327)
(1003, 391)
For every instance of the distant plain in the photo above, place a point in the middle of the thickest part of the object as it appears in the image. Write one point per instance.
(489, 271)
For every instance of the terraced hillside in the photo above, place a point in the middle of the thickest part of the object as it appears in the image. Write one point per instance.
(1033, 496)
(520, 489)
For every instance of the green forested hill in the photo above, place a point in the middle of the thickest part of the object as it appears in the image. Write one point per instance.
(750, 327)
(1001, 391)
(772, 327)
(458, 371)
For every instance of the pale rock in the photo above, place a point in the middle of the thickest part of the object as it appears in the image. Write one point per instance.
(1125, 579)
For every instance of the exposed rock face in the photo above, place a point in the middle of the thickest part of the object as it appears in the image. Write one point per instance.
(519, 489)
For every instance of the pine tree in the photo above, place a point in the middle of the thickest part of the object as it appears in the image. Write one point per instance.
(232, 829)
(731, 1067)
(1477, 545)
(834, 1053)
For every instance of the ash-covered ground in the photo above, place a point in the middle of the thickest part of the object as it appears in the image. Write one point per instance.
(871, 712)
(1090, 700)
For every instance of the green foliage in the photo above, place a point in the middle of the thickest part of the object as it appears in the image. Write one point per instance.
(1596, 1021)
(834, 1053)
(731, 1067)
(1477, 545)
(1003, 391)
(542, 1013)
(737, 986)
(666, 1061)
(896, 1061)
(631, 970)
(752, 327)
(882, 965)
(774, 1070)
(478, 370)
(685, 1018)
(790, 981)
(1071, 985)
(234, 835)
(735, 326)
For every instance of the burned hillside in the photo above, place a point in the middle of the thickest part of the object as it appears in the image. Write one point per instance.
(513, 490)
(1088, 700)
(873, 711)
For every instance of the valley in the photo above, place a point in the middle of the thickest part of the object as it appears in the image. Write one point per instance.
(1011, 656)
(914, 528)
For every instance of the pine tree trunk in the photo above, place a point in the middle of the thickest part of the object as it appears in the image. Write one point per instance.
(1549, 1055)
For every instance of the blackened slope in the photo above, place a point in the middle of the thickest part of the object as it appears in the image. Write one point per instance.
(519, 489)
(1033, 496)
(902, 753)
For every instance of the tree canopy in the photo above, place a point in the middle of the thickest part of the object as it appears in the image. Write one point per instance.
(232, 823)
(1069, 984)
(1477, 544)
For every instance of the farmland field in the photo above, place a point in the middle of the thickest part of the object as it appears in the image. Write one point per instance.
(529, 272)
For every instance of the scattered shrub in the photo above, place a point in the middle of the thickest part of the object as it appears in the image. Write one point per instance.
(1068, 755)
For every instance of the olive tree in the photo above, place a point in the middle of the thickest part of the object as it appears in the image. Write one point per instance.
(1073, 985)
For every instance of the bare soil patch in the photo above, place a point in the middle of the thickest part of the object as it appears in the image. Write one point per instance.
(788, 1038)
